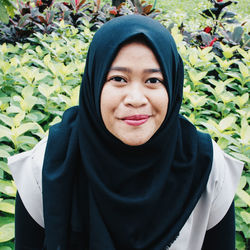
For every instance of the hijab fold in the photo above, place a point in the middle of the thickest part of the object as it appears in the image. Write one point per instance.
(123, 197)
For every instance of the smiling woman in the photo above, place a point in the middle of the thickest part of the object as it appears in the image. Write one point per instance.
(134, 99)
(124, 170)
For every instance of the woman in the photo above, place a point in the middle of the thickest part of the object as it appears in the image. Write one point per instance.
(124, 170)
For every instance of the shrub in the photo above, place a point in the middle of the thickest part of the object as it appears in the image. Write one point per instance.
(6, 8)
(38, 82)
(41, 80)
(219, 104)
(40, 77)
(43, 17)
(221, 27)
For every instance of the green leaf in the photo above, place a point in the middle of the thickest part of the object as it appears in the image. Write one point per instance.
(237, 34)
(32, 141)
(244, 196)
(245, 131)
(6, 220)
(4, 17)
(223, 142)
(8, 188)
(28, 102)
(5, 248)
(196, 76)
(4, 154)
(35, 116)
(6, 148)
(243, 182)
(46, 90)
(226, 97)
(245, 216)
(24, 128)
(240, 157)
(5, 132)
(8, 206)
(227, 51)
(27, 91)
(7, 120)
(7, 232)
(13, 109)
(243, 69)
(239, 203)
(5, 167)
(193, 58)
(245, 54)
(197, 101)
(242, 100)
(224, 64)
(18, 118)
(240, 243)
(226, 123)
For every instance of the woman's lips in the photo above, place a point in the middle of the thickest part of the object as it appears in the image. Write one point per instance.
(136, 120)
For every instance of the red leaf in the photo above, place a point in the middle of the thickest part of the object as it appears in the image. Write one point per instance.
(212, 42)
(77, 2)
(113, 11)
(208, 29)
(38, 2)
(42, 19)
(147, 9)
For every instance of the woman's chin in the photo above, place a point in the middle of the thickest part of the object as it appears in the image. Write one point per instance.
(134, 140)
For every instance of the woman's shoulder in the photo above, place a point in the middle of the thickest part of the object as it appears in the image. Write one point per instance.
(213, 203)
(26, 169)
(222, 184)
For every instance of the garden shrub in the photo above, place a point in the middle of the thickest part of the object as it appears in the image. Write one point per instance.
(216, 100)
(40, 79)
(43, 16)
(39, 82)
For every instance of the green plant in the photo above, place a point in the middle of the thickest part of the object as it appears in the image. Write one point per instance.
(28, 21)
(40, 79)
(37, 83)
(219, 104)
(221, 17)
(7, 9)
(43, 16)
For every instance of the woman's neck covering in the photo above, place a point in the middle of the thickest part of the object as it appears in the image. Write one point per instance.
(123, 197)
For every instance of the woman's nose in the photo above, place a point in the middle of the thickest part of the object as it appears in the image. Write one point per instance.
(135, 96)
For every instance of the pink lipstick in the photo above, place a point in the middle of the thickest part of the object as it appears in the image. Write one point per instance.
(136, 120)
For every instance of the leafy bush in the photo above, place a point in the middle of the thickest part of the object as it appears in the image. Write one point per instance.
(223, 28)
(221, 17)
(6, 8)
(37, 83)
(216, 99)
(41, 80)
(43, 17)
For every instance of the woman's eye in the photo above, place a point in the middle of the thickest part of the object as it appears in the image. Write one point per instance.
(153, 80)
(117, 79)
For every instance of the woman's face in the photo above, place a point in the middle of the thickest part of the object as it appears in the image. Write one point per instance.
(134, 101)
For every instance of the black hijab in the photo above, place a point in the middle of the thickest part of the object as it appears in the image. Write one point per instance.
(123, 197)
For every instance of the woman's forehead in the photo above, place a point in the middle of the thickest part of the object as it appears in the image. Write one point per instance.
(132, 53)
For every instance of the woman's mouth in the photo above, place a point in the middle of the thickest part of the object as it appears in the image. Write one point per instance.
(136, 120)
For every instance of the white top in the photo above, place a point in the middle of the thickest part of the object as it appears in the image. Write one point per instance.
(214, 203)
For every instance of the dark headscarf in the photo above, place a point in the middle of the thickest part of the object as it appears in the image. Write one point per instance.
(123, 197)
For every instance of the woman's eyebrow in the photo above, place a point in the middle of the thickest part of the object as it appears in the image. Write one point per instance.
(124, 69)
(117, 68)
(152, 70)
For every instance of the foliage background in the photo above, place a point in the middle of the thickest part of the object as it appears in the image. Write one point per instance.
(40, 79)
